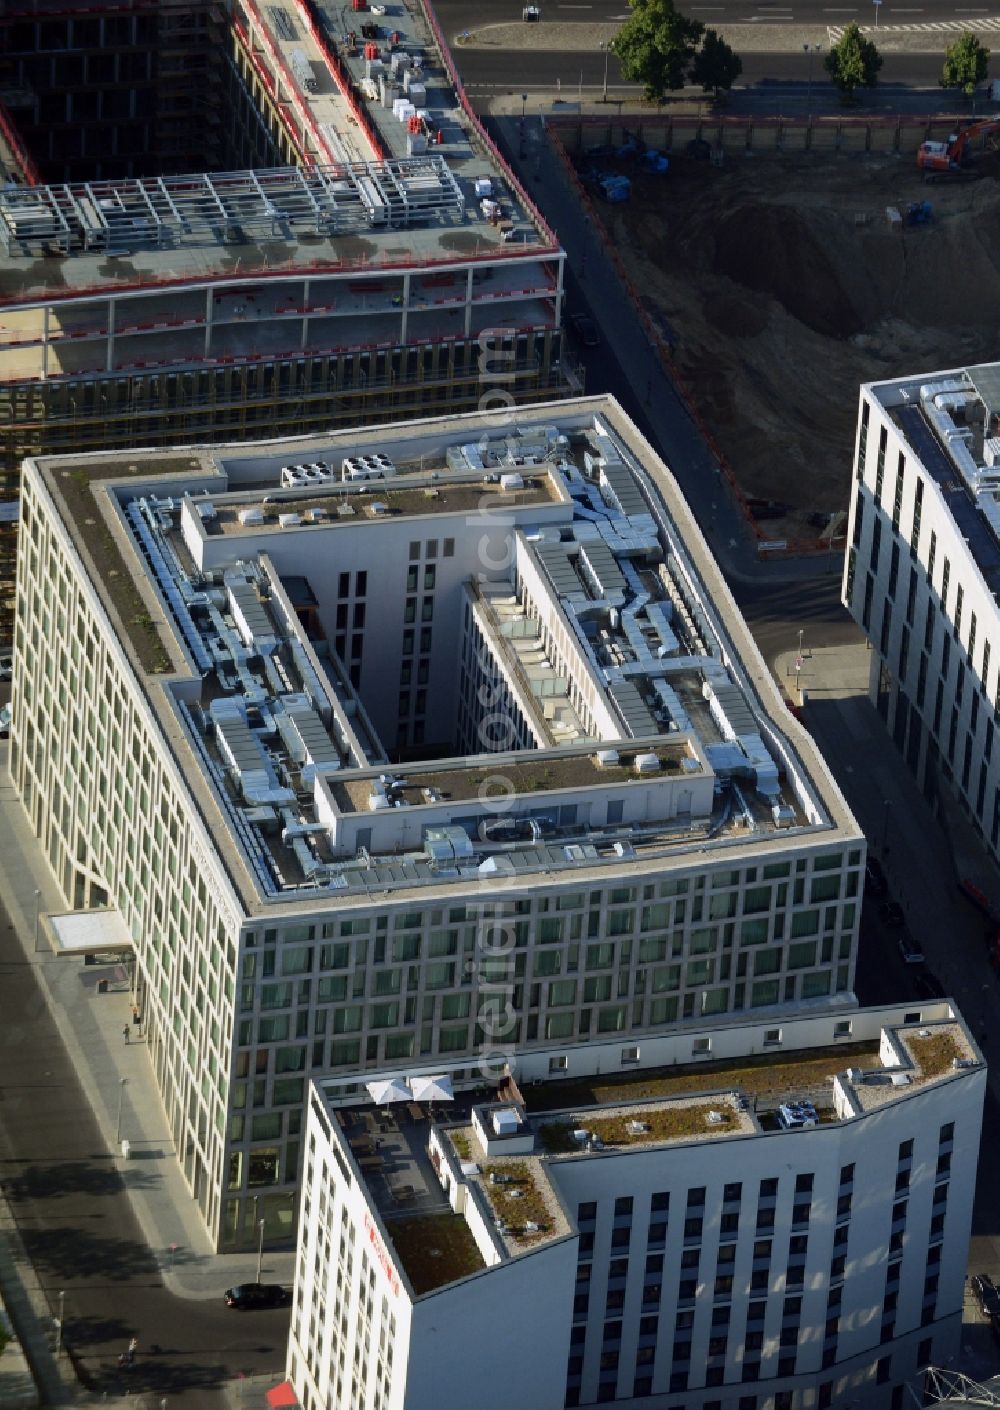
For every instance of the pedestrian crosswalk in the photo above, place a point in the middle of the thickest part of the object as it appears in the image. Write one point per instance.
(978, 25)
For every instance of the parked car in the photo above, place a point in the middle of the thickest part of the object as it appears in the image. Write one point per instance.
(892, 914)
(875, 882)
(248, 1295)
(6, 715)
(987, 1295)
(909, 949)
(6, 667)
(586, 330)
(928, 986)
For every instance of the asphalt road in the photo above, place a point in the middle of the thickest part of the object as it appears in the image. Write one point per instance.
(457, 15)
(78, 1229)
(774, 78)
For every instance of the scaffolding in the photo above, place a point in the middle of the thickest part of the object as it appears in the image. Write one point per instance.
(228, 208)
(940, 1387)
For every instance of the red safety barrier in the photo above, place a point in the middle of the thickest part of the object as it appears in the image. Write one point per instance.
(19, 151)
(473, 117)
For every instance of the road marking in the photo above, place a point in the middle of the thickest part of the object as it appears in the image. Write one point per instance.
(991, 24)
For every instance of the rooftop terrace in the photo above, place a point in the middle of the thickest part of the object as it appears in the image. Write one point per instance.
(512, 1174)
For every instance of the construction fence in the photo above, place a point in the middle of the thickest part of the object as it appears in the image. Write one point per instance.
(734, 133)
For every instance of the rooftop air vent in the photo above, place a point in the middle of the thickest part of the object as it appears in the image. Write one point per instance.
(608, 758)
(289, 521)
(637, 1128)
(714, 1118)
(647, 763)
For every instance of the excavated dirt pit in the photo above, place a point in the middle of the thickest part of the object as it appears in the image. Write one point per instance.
(783, 286)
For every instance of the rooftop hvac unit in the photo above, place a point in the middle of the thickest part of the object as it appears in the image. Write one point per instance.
(715, 1118)
(512, 482)
(289, 521)
(530, 1227)
(637, 1128)
(253, 514)
(506, 1121)
(581, 1137)
(316, 516)
(900, 1079)
(647, 763)
(608, 758)
(207, 509)
(991, 451)
(855, 1074)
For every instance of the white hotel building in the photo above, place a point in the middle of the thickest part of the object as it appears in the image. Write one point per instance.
(923, 574)
(376, 771)
(633, 1223)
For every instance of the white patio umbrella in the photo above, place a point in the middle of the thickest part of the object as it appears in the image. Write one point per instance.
(393, 1089)
(432, 1089)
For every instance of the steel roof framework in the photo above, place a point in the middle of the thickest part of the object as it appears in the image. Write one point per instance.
(228, 207)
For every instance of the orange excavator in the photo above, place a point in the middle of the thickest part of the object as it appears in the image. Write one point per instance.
(944, 161)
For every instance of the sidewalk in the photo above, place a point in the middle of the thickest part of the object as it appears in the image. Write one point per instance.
(915, 852)
(585, 36)
(91, 1027)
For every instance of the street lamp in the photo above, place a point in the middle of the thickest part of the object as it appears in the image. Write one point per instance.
(876, 4)
(260, 1249)
(122, 1084)
(810, 50)
(606, 47)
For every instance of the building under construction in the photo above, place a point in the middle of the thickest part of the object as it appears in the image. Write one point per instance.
(249, 221)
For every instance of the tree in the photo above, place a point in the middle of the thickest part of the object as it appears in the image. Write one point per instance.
(853, 62)
(715, 65)
(965, 64)
(656, 45)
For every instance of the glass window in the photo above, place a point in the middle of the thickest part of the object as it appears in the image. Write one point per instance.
(764, 992)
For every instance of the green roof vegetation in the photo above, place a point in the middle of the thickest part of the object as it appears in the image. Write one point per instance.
(517, 1200)
(662, 1124)
(935, 1054)
(770, 1075)
(76, 486)
(434, 1249)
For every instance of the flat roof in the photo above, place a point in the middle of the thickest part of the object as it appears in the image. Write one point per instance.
(125, 514)
(948, 419)
(542, 773)
(345, 504)
(359, 204)
(516, 1177)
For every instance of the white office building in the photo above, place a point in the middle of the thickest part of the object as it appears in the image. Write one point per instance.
(404, 745)
(923, 573)
(756, 1217)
